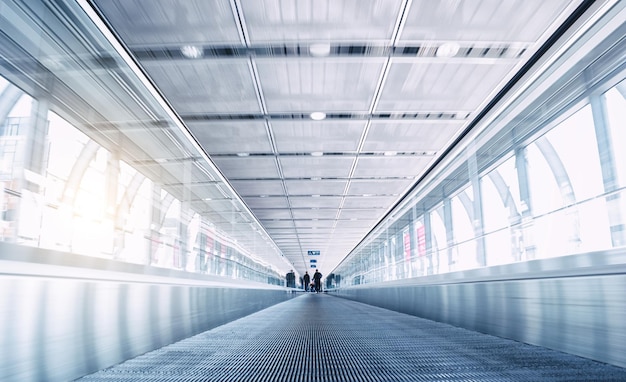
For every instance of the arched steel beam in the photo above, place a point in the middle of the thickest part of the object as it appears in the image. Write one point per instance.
(130, 193)
(621, 88)
(505, 194)
(78, 171)
(558, 170)
(468, 205)
(166, 203)
(8, 99)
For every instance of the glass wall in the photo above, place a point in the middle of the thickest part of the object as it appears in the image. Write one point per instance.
(93, 162)
(541, 181)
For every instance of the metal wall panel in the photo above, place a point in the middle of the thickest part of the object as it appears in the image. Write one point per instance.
(575, 304)
(61, 321)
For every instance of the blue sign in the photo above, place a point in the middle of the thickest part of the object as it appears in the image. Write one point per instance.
(313, 260)
(313, 253)
(313, 266)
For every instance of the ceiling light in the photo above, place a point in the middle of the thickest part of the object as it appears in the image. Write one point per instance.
(192, 51)
(317, 153)
(448, 49)
(319, 50)
(390, 153)
(243, 154)
(318, 116)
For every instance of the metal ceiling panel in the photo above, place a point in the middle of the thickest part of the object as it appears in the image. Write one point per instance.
(284, 232)
(360, 214)
(199, 87)
(247, 167)
(171, 22)
(273, 202)
(269, 214)
(305, 85)
(258, 187)
(316, 167)
(232, 137)
(375, 202)
(320, 20)
(387, 166)
(278, 224)
(356, 225)
(360, 187)
(311, 239)
(440, 85)
(480, 20)
(315, 202)
(285, 239)
(303, 224)
(316, 187)
(312, 214)
(417, 136)
(306, 136)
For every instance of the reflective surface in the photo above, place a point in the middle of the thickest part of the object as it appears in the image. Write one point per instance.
(573, 304)
(63, 316)
(348, 341)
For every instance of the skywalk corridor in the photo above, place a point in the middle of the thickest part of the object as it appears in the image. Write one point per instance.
(319, 337)
(173, 171)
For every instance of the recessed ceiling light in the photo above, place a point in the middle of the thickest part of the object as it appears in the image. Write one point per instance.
(192, 51)
(318, 116)
(243, 154)
(319, 50)
(317, 153)
(390, 153)
(448, 49)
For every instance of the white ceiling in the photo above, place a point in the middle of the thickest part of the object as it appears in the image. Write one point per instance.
(393, 104)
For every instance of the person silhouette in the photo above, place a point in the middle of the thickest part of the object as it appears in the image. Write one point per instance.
(317, 279)
(307, 280)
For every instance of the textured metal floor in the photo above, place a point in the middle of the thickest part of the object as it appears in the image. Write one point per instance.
(317, 337)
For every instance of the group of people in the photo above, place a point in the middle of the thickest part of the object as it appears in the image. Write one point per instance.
(315, 285)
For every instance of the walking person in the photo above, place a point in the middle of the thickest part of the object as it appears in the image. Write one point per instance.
(317, 279)
(307, 281)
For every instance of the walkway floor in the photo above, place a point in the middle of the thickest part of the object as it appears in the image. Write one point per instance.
(319, 337)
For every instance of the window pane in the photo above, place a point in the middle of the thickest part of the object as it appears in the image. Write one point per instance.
(544, 191)
(575, 142)
(616, 107)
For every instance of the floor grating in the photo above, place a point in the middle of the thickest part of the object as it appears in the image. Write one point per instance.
(317, 337)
